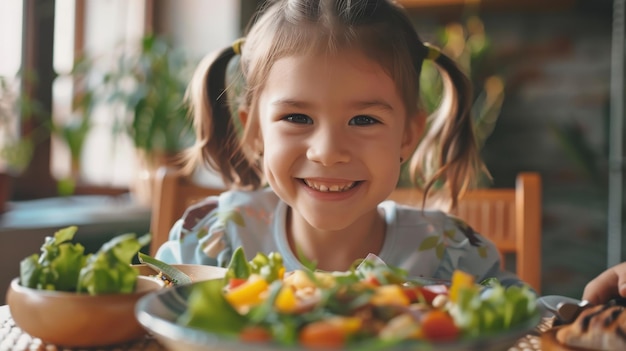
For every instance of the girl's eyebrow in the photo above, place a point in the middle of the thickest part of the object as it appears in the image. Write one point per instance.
(291, 103)
(379, 104)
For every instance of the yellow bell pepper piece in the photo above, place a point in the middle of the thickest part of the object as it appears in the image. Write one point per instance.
(460, 280)
(281, 273)
(249, 293)
(286, 300)
(348, 325)
(389, 295)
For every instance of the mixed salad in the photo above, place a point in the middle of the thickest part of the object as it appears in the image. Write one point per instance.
(63, 265)
(372, 304)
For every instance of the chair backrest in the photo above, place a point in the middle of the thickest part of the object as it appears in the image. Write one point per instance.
(510, 217)
(173, 194)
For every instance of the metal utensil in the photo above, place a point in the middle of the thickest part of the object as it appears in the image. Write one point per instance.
(567, 312)
(564, 308)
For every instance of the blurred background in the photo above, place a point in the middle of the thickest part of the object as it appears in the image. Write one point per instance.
(91, 92)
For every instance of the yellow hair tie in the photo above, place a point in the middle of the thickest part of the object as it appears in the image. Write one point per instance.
(237, 45)
(433, 52)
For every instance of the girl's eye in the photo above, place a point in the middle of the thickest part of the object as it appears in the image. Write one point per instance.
(363, 120)
(298, 118)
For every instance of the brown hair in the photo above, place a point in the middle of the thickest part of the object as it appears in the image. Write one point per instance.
(447, 156)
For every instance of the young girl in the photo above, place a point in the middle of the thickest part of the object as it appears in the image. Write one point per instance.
(313, 143)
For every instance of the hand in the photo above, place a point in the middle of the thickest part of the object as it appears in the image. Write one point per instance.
(609, 284)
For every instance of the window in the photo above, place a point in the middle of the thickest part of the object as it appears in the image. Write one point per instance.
(112, 26)
(106, 162)
(10, 45)
(98, 28)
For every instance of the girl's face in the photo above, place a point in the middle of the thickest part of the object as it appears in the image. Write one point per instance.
(333, 129)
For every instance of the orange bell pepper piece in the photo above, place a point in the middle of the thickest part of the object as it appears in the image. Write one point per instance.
(249, 293)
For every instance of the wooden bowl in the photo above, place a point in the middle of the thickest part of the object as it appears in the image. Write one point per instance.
(78, 320)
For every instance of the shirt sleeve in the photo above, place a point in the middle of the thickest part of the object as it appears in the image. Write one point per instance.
(198, 237)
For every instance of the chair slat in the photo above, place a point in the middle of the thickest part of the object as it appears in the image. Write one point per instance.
(510, 217)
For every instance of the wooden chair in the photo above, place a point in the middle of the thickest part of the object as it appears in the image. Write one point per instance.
(173, 193)
(510, 217)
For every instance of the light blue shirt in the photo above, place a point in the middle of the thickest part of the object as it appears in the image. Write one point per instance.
(427, 244)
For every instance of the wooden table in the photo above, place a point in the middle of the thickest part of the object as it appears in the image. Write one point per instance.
(13, 339)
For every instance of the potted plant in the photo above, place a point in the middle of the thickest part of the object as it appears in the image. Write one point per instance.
(73, 132)
(16, 146)
(150, 84)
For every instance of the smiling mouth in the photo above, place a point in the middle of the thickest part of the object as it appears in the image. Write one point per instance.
(328, 187)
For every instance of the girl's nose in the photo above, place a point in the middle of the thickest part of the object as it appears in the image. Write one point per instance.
(328, 148)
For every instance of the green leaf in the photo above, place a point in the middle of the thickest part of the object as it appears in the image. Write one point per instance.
(428, 243)
(68, 265)
(285, 330)
(267, 266)
(63, 235)
(109, 270)
(208, 310)
(173, 274)
(449, 233)
(238, 267)
(493, 309)
(231, 216)
(66, 186)
(58, 265)
(266, 311)
(29, 271)
(202, 233)
(311, 265)
(440, 249)
(490, 282)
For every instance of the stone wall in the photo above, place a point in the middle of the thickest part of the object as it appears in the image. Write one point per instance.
(554, 120)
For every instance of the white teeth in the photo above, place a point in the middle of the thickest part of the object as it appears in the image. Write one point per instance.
(329, 188)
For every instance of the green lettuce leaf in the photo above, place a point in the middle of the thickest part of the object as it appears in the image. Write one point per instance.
(109, 270)
(209, 310)
(493, 309)
(58, 265)
(64, 266)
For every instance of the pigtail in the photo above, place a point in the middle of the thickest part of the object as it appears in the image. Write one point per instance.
(448, 157)
(217, 141)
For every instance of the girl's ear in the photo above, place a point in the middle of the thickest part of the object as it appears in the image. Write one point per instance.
(252, 133)
(413, 132)
(243, 116)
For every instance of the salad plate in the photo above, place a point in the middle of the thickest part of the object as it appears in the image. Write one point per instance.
(159, 312)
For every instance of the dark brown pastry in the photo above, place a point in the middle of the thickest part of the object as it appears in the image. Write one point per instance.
(601, 327)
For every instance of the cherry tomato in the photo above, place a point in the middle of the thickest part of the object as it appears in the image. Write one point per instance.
(255, 334)
(438, 325)
(322, 335)
(235, 282)
(372, 281)
(427, 293)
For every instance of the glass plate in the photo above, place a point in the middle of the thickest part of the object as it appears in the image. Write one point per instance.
(158, 312)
